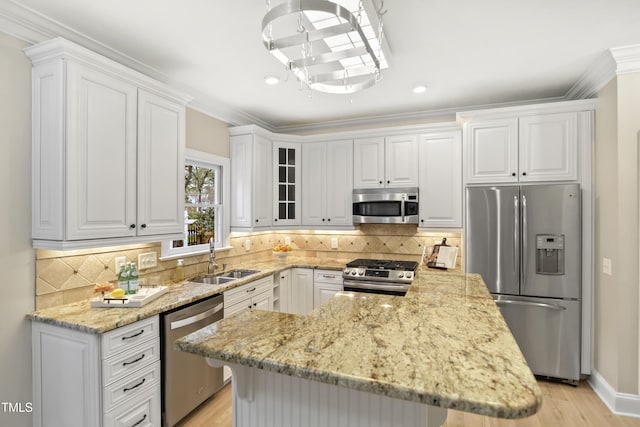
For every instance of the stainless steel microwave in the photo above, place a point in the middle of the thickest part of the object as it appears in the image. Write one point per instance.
(385, 206)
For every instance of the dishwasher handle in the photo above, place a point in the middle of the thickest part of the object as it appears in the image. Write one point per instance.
(198, 317)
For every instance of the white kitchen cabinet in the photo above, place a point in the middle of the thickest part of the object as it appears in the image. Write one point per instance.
(326, 283)
(327, 183)
(441, 179)
(386, 162)
(301, 297)
(251, 181)
(108, 151)
(283, 280)
(548, 147)
(522, 148)
(256, 294)
(287, 172)
(107, 379)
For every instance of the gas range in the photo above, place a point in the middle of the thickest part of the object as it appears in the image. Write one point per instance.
(379, 276)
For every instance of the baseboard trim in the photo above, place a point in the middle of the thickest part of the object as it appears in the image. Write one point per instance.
(624, 404)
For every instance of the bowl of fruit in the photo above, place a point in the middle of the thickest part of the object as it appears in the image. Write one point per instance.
(282, 251)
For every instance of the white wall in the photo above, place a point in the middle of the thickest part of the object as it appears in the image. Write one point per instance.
(17, 258)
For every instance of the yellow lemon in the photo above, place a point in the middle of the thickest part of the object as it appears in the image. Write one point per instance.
(117, 293)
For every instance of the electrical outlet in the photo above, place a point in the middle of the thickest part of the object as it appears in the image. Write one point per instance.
(606, 266)
(119, 262)
(147, 260)
(334, 243)
(287, 240)
(247, 245)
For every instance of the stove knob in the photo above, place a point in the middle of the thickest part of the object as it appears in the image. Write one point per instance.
(409, 275)
(361, 271)
(400, 275)
(354, 271)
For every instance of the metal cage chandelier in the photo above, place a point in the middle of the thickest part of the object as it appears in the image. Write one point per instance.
(328, 47)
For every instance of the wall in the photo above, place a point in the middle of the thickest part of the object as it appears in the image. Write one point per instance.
(617, 233)
(204, 133)
(65, 277)
(17, 260)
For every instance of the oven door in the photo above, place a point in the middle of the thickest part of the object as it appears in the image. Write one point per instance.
(372, 287)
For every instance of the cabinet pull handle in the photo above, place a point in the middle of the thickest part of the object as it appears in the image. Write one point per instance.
(143, 226)
(251, 290)
(132, 226)
(144, 417)
(126, 389)
(134, 335)
(328, 276)
(133, 361)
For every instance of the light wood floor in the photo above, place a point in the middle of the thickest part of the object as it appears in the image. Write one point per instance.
(562, 406)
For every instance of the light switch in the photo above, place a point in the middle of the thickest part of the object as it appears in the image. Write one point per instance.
(606, 266)
(247, 245)
(147, 260)
(334, 243)
(119, 262)
(287, 240)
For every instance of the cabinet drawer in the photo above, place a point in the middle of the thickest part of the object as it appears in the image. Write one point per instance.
(141, 412)
(241, 293)
(128, 336)
(126, 362)
(132, 387)
(328, 276)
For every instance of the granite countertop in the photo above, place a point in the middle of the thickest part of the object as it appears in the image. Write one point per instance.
(444, 344)
(81, 316)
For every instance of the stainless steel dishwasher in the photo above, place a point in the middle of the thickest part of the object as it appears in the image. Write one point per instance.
(187, 380)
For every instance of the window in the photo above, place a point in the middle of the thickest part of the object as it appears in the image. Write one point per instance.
(206, 186)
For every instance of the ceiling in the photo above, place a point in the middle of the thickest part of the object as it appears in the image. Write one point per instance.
(470, 53)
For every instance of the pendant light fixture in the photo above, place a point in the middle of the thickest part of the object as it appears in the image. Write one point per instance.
(330, 46)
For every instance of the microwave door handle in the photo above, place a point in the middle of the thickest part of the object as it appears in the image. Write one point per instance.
(402, 212)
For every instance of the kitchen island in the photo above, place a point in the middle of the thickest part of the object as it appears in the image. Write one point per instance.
(374, 359)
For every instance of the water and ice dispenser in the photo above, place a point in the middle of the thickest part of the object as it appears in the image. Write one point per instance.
(550, 254)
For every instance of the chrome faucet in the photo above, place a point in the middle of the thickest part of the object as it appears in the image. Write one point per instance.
(212, 256)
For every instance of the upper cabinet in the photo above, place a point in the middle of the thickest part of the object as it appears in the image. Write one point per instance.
(441, 179)
(525, 144)
(327, 183)
(251, 180)
(287, 163)
(385, 162)
(108, 152)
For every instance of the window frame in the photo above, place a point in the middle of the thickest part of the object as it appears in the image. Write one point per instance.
(222, 226)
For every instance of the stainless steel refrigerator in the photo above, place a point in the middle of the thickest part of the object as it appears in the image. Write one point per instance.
(525, 242)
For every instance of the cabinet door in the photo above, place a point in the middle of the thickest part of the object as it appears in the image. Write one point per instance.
(323, 292)
(314, 184)
(401, 161)
(161, 132)
(264, 301)
(285, 291)
(287, 208)
(491, 153)
(261, 181)
(549, 147)
(301, 291)
(441, 180)
(368, 163)
(339, 187)
(101, 155)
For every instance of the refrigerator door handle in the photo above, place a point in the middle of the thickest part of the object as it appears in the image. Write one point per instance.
(530, 304)
(524, 242)
(516, 233)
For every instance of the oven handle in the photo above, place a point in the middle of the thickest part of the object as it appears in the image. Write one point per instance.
(369, 285)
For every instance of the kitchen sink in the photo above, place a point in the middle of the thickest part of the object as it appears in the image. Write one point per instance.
(237, 274)
(213, 280)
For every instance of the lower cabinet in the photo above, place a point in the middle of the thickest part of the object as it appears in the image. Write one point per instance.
(326, 283)
(83, 379)
(301, 296)
(257, 294)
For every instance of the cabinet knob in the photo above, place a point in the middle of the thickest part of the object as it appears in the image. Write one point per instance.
(422, 220)
(388, 182)
(513, 174)
(322, 219)
(329, 219)
(380, 182)
(275, 219)
(132, 226)
(524, 173)
(143, 226)
(256, 220)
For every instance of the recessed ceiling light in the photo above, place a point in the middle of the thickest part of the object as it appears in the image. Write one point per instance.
(271, 80)
(420, 89)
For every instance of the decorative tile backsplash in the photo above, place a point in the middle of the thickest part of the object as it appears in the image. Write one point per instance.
(64, 277)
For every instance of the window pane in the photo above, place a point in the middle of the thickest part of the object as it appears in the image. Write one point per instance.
(292, 175)
(282, 156)
(200, 197)
(282, 174)
(292, 156)
(292, 193)
(292, 210)
(282, 192)
(282, 211)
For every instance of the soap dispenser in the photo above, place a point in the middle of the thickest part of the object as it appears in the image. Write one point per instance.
(180, 271)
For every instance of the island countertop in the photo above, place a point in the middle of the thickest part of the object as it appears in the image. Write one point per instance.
(444, 344)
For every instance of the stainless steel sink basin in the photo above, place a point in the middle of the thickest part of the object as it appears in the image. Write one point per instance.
(214, 280)
(238, 274)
